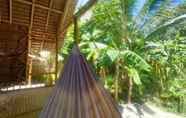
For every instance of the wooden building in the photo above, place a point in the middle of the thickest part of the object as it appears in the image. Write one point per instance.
(30, 27)
(27, 28)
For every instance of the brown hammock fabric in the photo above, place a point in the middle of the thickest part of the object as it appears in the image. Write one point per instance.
(78, 94)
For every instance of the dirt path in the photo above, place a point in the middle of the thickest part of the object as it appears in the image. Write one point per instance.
(145, 111)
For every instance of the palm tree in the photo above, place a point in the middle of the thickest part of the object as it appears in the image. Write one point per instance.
(128, 25)
(126, 33)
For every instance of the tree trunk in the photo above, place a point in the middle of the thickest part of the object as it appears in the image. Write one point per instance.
(117, 82)
(130, 87)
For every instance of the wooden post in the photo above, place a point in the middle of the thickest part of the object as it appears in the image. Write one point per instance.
(30, 72)
(28, 76)
(28, 66)
(56, 59)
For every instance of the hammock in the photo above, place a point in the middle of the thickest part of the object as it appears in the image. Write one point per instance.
(78, 93)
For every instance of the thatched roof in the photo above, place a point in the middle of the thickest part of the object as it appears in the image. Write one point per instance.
(46, 22)
(45, 19)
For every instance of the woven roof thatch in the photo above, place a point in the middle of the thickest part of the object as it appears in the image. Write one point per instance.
(46, 22)
(45, 19)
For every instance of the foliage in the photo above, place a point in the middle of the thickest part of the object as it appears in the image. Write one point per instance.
(146, 44)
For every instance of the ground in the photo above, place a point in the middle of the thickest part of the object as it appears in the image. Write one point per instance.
(145, 111)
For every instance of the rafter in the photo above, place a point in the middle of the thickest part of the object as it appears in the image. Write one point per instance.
(77, 15)
(10, 11)
(85, 8)
(32, 16)
(40, 6)
(63, 18)
(47, 21)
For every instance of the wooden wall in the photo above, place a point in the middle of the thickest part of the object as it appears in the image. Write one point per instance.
(13, 53)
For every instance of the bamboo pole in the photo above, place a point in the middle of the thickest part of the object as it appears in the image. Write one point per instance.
(40, 6)
(56, 60)
(47, 22)
(81, 12)
(28, 66)
(10, 11)
(30, 72)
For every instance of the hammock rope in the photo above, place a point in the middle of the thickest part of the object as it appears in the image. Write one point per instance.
(76, 31)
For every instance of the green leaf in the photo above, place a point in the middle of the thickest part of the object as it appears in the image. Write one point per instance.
(135, 59)
(113, 54)
(133, 73)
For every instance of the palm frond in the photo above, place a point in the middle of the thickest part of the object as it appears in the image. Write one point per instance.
(166, 25)
(137, 60)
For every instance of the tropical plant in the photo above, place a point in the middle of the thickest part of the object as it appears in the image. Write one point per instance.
(138, 41)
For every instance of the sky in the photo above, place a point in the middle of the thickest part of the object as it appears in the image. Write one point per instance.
(81, 2)
(87, 15)
(138, 5)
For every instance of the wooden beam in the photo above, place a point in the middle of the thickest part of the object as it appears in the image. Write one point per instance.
(85, 8)
(48, 15)
(31, 25)
(77, 15)
(56, 59)
(32, 16)
(40, 6)
(40, 40)
(46, 73)
(63, 18)
(47, 21)
(29, 67)
(10, 11)
(61, 26)
(30, 72)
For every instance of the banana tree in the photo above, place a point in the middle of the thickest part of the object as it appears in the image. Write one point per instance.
(123, 22)
(126, 30)
(124, 60)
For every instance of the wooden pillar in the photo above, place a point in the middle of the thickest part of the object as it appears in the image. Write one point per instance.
(28, 66)
(30, 72)
(56, 59)
(29, 63)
